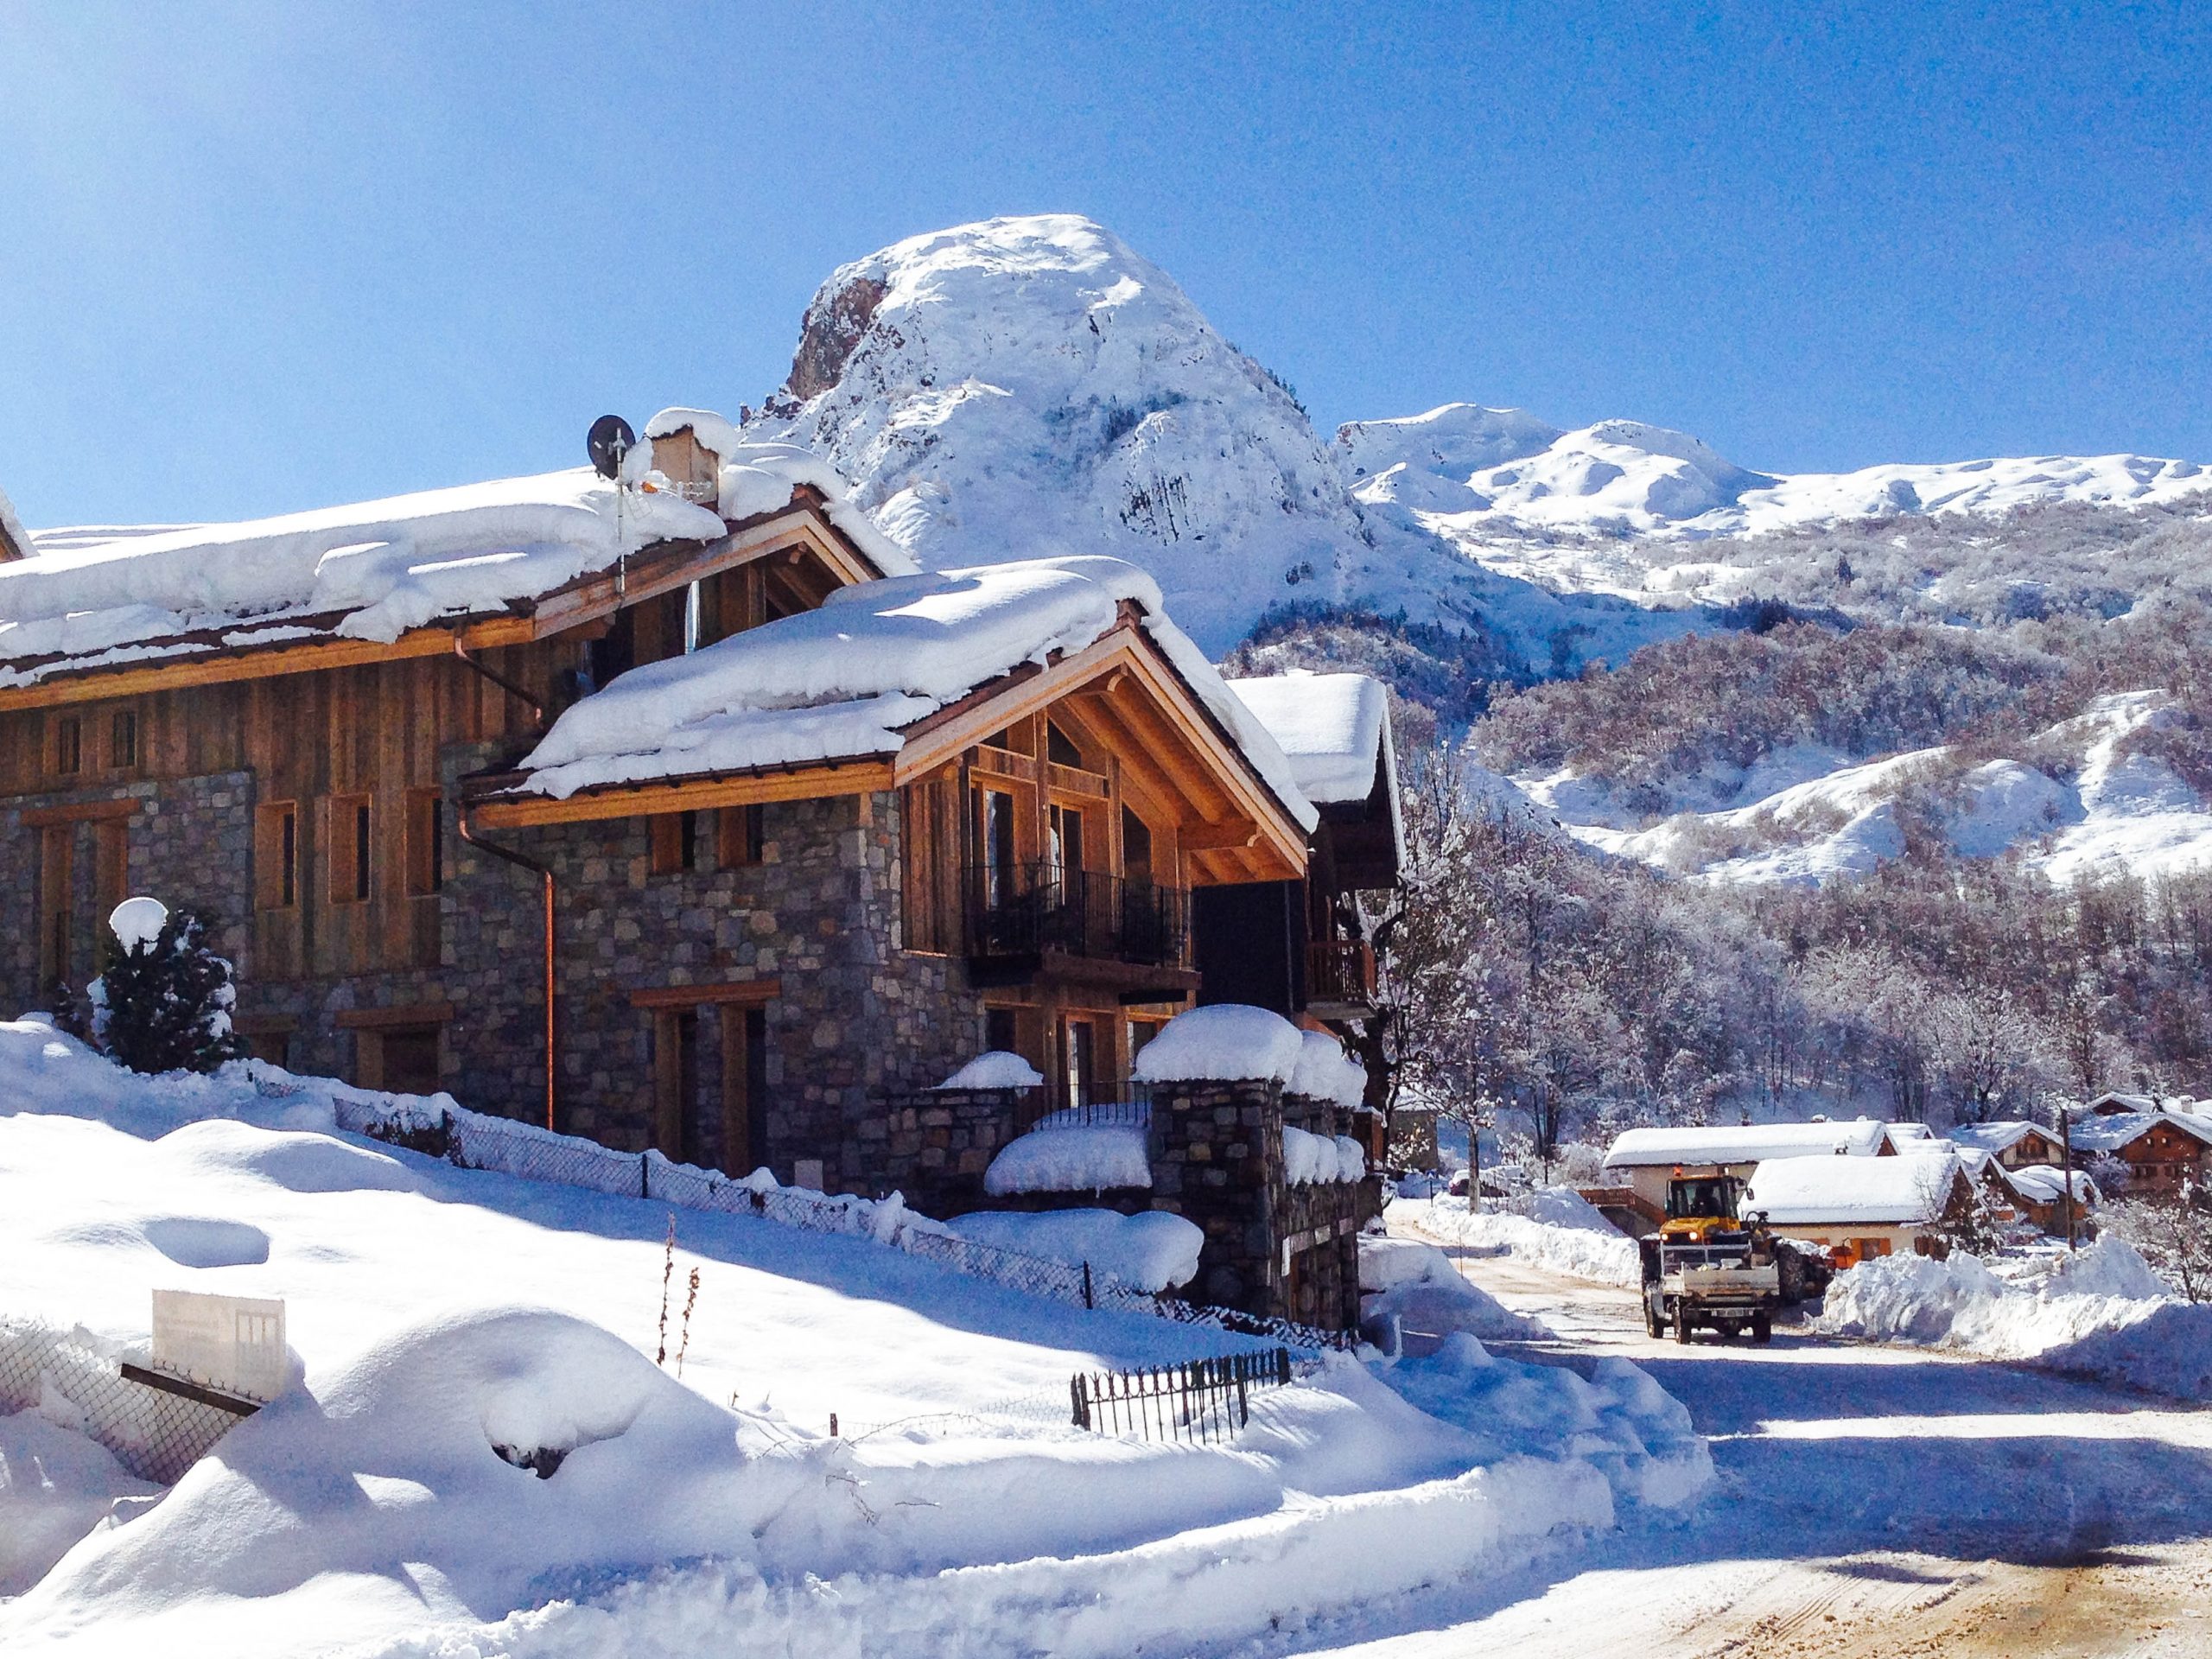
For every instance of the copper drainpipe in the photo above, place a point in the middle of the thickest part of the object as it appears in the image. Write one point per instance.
(544, 875)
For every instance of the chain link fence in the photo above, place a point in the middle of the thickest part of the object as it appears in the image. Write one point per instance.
(78, 1382)
(512, 1147)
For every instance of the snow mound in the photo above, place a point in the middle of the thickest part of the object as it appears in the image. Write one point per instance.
(1152, 1250)
(1605, 1258)
(995, 1069)
(460, 1462)
(55, 1486)
(2092, 1318)
(1226, 1042)
(1560, 1206)
(297, 1162)
(1325, 1071)
(1416, 1286)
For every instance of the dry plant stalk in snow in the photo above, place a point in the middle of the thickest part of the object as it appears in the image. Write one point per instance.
(683, 1343)
(667, 1272)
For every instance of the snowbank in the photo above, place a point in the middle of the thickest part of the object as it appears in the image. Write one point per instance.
(55, 1486)
(1414, 1287)
(1607, 1257)
(995, 1069)
(1076, 1158)
(1227, 1042)
(2104, 1314)
(1152, 1250)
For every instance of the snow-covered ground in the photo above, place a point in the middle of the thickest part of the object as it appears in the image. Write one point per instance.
(437, 1312)
(1554, 1229)
(1873, 1501)
(2077, 803)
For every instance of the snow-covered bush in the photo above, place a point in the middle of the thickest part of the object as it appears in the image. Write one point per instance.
(163, 1000)
(2173, 1234)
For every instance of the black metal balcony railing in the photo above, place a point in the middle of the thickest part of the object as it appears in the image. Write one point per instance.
(1024, 910)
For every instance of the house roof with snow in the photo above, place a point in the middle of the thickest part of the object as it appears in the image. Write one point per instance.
(1996, 1137)
(2114, 1103)
(2046, 1184)
(2116, 1131)
(1877, 1191)
(1335, 730)
(888, 679)
(1750, 1143)
(107, 610)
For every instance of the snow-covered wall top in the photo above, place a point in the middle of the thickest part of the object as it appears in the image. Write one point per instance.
(1745, 1144)
(843, 681)
(1032, 383)
(1331, 726)
(1325, 1071)
(1227, 1042)
(1801, 1191)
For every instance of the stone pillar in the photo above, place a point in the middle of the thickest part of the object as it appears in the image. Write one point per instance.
(1216, 1160)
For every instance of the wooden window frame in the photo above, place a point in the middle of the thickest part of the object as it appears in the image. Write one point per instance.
(741, 837)
(276, 855)
(681, 843)
(352, 848)
(426, 861)
(67, 750)
(123, 745)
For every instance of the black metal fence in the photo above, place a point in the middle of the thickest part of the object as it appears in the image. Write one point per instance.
(1201, 1401)
(1024, 910)
(1132, 1114)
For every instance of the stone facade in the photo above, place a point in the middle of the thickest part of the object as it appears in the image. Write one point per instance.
(1271, 1248)
(934, 1145)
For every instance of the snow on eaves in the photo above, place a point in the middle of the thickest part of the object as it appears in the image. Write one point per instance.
(844, 681)
(1332, 727)
(1750, 1143)
(373, 569)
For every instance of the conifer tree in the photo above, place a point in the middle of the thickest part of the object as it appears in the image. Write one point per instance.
(163, 1001)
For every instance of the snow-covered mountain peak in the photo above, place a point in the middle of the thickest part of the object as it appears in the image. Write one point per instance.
(1027, 384)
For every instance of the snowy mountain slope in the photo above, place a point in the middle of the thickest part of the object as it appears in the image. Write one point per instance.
(1031, 385)
(1604, 508)
(2075, 801)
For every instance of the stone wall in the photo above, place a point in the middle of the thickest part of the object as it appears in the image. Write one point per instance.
(933, 1146)
(1270, 1247)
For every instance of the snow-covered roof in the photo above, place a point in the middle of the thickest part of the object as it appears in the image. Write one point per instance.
(845, 681)
(2119, 1129)
(2046, 1184)
(1750, 1143)
(1794, 1191)
(2113, 1102)
(108, 596)
(1332, 727)
(1994, 1137)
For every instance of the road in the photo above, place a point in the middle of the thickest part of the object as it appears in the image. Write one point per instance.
(1873, 1503)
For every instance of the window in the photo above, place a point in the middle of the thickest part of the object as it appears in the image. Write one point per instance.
(404, 1059)
(1064, 843)
(426, 842)
(1059, 749)
(1078, 1056)
(68, 746)
(349, 848)
(123, 740)
(677, 842)
(999, 1031)
(742, 832)
(996, 834)
(276, 855)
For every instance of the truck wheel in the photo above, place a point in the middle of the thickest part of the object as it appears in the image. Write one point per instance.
(1763, 1328)
(1653, 1326)
(1790, 1269)
(1682, 1325)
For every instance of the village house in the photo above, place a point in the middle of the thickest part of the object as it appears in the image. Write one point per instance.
(2162, 1148)
(678, 811)
(1642, 1161)
(2015, 1143)
(1860, 1207)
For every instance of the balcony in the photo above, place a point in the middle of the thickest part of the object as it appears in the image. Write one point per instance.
(1019, 916)
(1339, 978)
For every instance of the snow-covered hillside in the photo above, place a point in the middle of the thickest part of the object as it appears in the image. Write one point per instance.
(2075, 801)
(1605, 508)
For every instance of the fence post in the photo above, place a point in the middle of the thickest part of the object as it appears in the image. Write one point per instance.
(1087, 1302)
(645, 1175)
(1075, 1388)
(1282, 1366)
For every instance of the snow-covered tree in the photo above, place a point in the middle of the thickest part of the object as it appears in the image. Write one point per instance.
(163, 1000)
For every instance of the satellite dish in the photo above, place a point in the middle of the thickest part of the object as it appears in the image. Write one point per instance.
(609, 440)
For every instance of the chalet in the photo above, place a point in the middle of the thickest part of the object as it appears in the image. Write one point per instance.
(2162, 1150)
(2014, 1143)
(679, 810)
(1643, 1161)
(1862, 1208)
(2040, 1191)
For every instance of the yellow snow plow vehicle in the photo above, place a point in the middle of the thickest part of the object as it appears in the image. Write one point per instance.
(1706, 1267)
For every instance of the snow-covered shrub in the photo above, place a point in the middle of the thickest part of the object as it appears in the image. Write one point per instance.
(163, 1000)
(2174, 1235)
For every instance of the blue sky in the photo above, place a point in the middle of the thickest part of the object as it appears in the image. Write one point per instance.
(262, 257)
